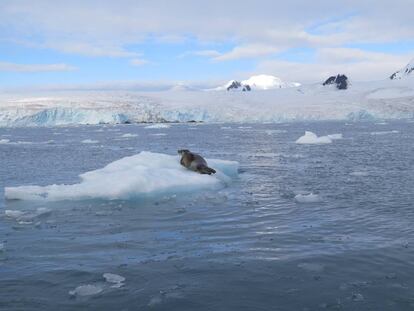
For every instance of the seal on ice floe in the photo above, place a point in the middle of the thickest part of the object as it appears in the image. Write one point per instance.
(194, 162)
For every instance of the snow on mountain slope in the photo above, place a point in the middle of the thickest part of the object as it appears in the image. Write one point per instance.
(266, 82)
(407, 71)
(388, 99)
(259, 82)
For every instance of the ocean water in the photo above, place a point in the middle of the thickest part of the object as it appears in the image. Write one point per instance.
(261, 243)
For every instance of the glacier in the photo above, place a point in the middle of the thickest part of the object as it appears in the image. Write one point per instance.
(141, 176)
(363, 101)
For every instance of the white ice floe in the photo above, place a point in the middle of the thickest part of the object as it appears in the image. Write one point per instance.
(115, 279)
(308, 198)
(158, 126)
(385, 132)
(312, 139)
(335, 136)
(144, 175)
(90, 141)
(129, 135)
(13, 213)
(27, 217)
(4, 141)
(86, 290)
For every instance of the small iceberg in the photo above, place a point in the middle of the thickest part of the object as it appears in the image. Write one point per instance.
(158, 126)
(90, 141)
(308, 198)
(115, 279)
(129, 135)
(86, 290)
(385, 132)
(144, 175)
(312, 138)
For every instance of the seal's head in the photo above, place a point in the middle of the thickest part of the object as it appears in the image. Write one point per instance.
(183, 151)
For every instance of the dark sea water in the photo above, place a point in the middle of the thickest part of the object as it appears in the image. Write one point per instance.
(249, 246)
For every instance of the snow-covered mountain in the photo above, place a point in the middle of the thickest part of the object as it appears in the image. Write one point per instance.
(267, 82)
(407, 71)
(364, 101)
(259, 82)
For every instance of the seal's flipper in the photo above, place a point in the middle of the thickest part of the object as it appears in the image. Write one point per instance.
(206, 170)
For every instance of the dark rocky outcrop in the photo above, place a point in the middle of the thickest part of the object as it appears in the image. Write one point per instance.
(236, 85)
(341, 82)
(404, 72)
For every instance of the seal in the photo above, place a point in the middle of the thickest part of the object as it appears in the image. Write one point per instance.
(194, 162)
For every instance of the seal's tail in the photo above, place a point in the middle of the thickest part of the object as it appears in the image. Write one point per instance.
(206, 170)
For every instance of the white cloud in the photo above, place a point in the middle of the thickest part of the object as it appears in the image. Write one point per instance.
(257, 30)
(357, 64)
(203, 53)
(138, 62)
(12, 67)
(247, 51)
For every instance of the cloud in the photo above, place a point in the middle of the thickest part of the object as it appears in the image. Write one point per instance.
(247, 51)
(278, 24)
(359, 65)
(259, 30)
(202, 53)
(138, 62)
(12, 67)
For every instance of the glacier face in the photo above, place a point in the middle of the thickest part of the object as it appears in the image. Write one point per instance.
(390, 99)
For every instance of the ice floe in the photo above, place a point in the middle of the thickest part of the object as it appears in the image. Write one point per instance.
(158, 126)
(89, 141)
(129, 135)
(115, 279)
(312, 139)
(27, 217)
(4, 141)
(144, 175)
(385, 132)
(86, 290)
(308, 198)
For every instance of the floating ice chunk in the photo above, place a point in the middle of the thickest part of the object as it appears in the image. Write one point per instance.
(86, 290)
(385, 132)
(4, 141)
(312, 138)
(116, 279)
(144, 175)
(129, 135)
(90, 141)
(335, 136)
(13, 213)
(308, 198)
(159, 134)
(357, 297)
(158, 126)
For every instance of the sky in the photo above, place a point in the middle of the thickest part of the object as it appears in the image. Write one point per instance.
(143, 43)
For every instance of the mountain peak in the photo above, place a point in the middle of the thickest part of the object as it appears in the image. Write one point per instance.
(258, 82)
(405, 72)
